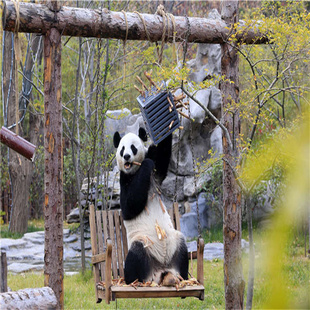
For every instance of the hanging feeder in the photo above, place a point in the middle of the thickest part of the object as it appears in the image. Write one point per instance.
(159, 113)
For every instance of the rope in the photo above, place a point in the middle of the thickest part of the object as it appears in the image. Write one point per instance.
(144, 25)
(124, 48)
(188, 32)
(161, 11)
(166, 29)
(177, 170)
(166, 16)
(194, 171)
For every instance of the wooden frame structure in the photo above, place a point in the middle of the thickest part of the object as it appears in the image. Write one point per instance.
(108, 257)
(53, 20)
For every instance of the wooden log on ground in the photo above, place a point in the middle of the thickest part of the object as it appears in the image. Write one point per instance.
(17, 143)
(82, 22)
(29, 298)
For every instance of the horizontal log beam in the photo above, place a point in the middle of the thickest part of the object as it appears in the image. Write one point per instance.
(17, 143)
(81, 22)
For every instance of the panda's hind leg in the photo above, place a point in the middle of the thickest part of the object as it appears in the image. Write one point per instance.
(180, 259)
(137, 263)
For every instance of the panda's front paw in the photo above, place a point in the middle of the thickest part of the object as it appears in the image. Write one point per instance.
(148, 163)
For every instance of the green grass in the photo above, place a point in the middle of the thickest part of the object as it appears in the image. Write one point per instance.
(80, 294)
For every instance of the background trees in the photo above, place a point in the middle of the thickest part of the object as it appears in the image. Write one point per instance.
(99, 74)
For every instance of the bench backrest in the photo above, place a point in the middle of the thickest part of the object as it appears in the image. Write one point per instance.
(110, 224)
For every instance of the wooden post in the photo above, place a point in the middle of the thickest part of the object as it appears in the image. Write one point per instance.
(3, 273)
(233, 276)
(53, 176)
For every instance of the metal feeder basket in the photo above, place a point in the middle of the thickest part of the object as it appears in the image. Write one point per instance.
(160, 117)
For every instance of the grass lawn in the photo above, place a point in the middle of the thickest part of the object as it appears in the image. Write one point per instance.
(79, 289)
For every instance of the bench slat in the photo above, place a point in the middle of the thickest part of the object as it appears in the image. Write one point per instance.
(124, 235)
(119, 244)
(157, 292)
(94, 248)
(100, 241)
(112, 237)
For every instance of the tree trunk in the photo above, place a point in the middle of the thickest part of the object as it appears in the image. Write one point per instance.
(53, 177)
(233, 276)
(20, 168)
(37, 18)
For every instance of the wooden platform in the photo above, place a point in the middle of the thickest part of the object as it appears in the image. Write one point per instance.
(154, 292)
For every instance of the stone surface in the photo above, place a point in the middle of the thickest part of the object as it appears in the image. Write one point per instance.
(214, 250)
(189, 221)
(27, 254)
(30, 256)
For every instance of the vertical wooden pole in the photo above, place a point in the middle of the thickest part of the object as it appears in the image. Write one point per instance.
(233, 275)
(53, 176)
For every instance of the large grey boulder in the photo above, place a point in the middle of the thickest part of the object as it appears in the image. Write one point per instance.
(189, 221)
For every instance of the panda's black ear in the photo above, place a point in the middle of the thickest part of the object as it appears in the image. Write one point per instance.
(116, 139)
(142, 134)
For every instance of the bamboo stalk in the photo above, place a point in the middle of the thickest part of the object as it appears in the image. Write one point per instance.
(148, 76)
(136, 163)
(180, 97)
(162, 206)
(183, 114)
(142, 83)
(171, 105)
(139, 90)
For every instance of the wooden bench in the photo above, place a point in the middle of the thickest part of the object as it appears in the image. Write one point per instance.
(109, 254)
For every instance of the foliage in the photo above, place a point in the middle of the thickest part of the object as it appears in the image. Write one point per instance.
(289, 150)
(273, 77)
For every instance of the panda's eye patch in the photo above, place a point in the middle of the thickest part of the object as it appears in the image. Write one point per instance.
(134, 149)
(122, 151)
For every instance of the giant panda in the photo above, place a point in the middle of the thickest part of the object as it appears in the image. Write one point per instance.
(156, 250)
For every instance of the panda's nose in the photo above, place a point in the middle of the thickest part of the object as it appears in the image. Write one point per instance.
(126, 157)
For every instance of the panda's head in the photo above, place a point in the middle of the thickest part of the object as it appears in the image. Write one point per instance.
(130, 149)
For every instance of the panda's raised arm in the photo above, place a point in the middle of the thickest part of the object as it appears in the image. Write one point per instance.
(161, 155)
